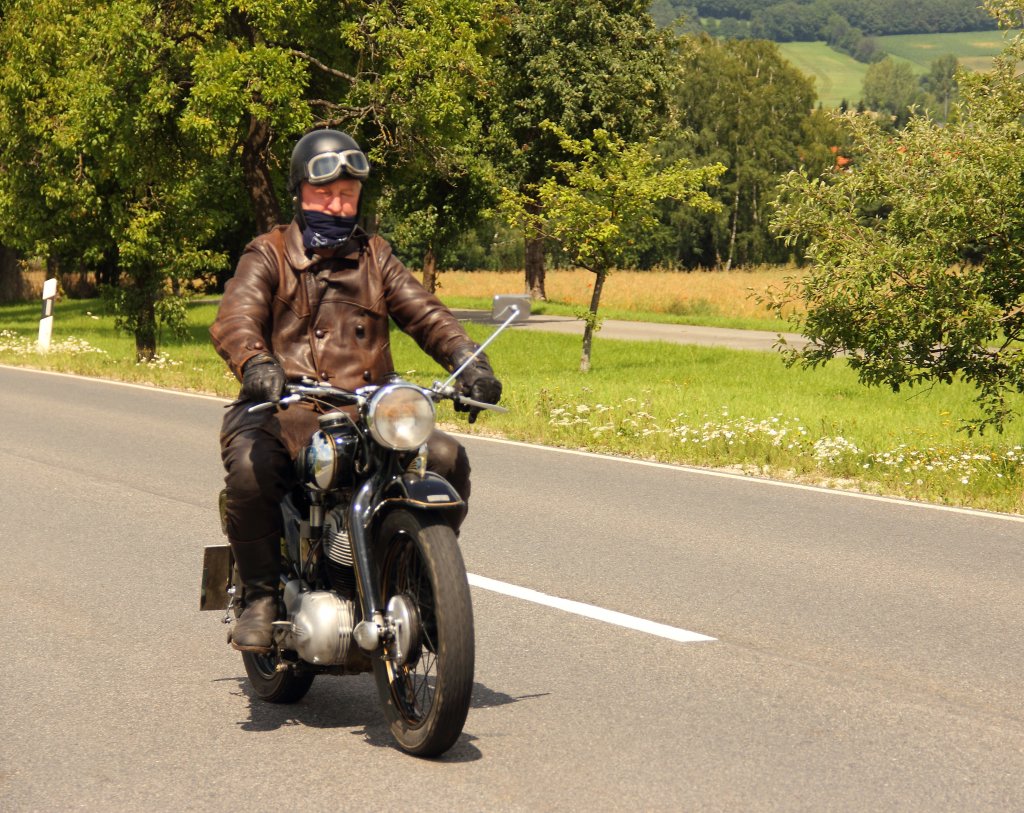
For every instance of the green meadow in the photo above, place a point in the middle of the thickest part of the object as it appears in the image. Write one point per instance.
(838, 76)
(743, 411)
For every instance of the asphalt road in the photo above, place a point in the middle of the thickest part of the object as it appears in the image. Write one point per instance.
(867, 655)
(648, 331)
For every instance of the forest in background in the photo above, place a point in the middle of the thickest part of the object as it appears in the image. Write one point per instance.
(142, 145)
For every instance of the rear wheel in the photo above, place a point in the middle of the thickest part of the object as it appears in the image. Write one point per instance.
(271, 685)
(425, 678)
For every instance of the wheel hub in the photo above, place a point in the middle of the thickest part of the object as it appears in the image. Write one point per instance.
(403, 621)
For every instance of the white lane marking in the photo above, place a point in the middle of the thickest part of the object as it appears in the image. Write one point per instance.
(747, 478)
(971, 512)
(588, 610)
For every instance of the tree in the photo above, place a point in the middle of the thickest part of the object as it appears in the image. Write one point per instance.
(94, 172)
(585, 65)
(606, 205)
(940, 82)
(12, 284)
(890, 87)
(426, 76)
(132, 132)
(746, 107)
(916, 271)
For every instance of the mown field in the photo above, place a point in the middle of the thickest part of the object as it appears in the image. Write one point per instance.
(974, 49)
(838, 76)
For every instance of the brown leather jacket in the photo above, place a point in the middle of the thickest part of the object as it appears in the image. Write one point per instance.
(328, 319)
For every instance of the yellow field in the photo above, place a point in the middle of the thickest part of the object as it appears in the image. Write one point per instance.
(723, 294)
(718, 293)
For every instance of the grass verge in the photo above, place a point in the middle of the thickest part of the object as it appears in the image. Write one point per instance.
(673, 403)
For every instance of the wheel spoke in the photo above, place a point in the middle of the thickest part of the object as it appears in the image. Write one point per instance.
(426, 699)
(413, 688)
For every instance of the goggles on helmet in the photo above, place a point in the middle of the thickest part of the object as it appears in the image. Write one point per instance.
(327, 166)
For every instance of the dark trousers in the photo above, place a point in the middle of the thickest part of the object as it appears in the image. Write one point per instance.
(259, 472)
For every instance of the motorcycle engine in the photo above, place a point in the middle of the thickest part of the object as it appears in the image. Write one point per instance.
(321, 624)
(338, 548)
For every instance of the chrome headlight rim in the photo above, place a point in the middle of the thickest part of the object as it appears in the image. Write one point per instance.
(400, 416)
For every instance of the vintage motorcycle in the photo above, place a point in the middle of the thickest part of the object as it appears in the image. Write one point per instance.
(372, 575)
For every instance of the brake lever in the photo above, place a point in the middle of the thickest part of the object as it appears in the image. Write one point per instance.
(281, 403)
(470, 402)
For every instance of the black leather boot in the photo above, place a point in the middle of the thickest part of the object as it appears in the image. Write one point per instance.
(259, 568)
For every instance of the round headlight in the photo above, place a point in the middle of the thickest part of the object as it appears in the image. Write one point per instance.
(400, 417)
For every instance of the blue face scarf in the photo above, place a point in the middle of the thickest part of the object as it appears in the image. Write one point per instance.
(326, 231)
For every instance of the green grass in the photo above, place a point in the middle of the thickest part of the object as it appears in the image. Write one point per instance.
(974, 49)
(675, 403)
(838, 77)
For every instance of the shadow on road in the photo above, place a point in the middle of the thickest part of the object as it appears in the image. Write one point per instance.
(352, 703)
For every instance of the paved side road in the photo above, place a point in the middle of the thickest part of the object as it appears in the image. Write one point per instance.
(648, 331)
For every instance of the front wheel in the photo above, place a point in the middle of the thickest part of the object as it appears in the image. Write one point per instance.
(426, 691)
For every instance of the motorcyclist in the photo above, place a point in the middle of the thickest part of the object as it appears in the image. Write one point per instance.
(313, 299)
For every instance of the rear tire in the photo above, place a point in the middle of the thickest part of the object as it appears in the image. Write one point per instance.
(268, 684)
(426, 700)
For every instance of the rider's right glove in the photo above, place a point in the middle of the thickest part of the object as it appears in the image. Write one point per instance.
(263, 379)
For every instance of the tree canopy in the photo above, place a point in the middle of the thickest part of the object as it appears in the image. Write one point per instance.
(916, 267)
(602, 204)
(583, 65)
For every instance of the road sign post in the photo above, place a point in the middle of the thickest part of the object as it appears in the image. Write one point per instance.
(46, 322)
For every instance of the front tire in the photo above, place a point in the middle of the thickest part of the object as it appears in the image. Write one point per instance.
(427, 698)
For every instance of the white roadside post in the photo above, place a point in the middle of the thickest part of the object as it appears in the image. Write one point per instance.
(46, 323)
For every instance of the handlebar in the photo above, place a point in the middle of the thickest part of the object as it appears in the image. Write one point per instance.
(323, 392)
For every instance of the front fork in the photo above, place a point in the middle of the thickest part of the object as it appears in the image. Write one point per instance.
(368, 632)
(412, 486)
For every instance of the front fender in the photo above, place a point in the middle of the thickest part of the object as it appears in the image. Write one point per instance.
(429, 491)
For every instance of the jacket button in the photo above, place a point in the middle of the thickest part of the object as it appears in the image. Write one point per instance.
(366, 375)
(320, 333)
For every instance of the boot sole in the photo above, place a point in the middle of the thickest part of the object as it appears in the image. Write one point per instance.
(262, 650)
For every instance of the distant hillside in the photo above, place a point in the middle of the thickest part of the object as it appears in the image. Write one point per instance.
(804, 20)
(838, 76)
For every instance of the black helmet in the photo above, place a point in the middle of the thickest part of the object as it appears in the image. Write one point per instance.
(323, 156)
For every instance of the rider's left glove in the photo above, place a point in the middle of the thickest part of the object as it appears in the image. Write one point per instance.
(263, 379)
(478, 382)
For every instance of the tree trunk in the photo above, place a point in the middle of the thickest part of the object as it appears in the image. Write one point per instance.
(145, 331)
(591, 328)
(535, 268)
(256, 171)
(735, 223)
(13, 287)
(535, 260)
(430, 270)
